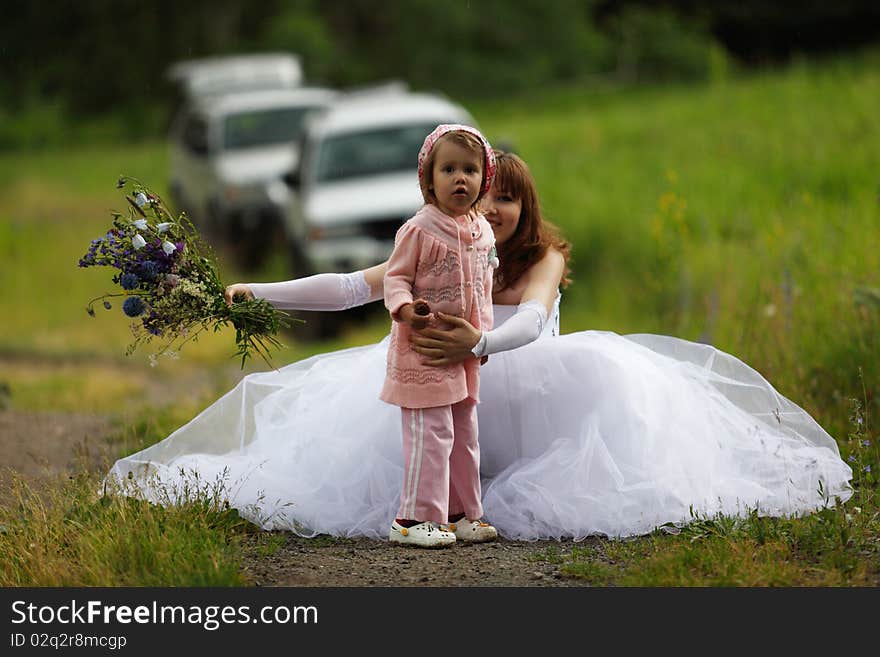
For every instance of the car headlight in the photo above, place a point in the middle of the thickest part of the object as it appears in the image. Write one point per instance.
(278, 192)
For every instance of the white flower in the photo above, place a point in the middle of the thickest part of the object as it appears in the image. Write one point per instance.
(141, 199)
(138, 242)
(164, 226)
(168, 247)
(140, 224)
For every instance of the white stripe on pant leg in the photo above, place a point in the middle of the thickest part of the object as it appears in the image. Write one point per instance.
(407, 489)
(421, 458)
(420, 444)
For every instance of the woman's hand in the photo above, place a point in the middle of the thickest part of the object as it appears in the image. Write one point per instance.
(444, 347)
(237, 289)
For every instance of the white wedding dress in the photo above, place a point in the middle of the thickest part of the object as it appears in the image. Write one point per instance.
(589, 433)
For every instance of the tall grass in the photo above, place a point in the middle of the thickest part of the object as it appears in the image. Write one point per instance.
(75, 534)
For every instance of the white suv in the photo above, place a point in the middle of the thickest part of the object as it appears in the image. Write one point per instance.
(357, 180)
(230, 148)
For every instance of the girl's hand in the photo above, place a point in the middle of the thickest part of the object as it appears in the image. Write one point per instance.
(444, 347)
(416, 320)
(235, 290)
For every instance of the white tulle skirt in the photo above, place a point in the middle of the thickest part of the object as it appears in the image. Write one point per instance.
(589, 433)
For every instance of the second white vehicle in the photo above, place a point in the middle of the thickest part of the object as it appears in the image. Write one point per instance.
(356, 183)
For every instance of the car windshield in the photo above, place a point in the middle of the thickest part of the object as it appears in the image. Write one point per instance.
(261, 127)
(370, 153)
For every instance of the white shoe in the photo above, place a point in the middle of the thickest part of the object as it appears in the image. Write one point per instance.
(426, 534)
(473, 531)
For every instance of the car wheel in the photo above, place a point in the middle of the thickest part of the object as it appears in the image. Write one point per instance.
(175, 192)
(253, 249)
(315, 326)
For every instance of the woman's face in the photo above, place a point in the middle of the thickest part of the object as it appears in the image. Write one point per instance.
(502, 211)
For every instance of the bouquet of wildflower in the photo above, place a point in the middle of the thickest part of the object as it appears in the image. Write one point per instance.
(170, 283)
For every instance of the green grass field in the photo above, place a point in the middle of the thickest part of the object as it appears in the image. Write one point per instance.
(743, 213)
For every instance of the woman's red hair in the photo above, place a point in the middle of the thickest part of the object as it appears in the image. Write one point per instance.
(534, 234)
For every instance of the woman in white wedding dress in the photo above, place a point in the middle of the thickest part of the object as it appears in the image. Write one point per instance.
(590, 433)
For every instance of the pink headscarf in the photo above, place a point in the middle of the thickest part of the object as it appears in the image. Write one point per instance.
(441, 130)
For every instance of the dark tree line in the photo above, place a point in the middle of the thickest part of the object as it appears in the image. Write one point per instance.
(103, 57)
(99, 54)
(760, 31)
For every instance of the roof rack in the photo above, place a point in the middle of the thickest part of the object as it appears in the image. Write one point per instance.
(229, 73)
(376, 89)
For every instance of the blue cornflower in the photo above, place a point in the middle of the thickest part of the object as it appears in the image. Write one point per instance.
(149, 270)
(129, 281)
(867, 468)
(866, 443)
(852, 458)
(133, 306)
(89, 258)
(107, 304)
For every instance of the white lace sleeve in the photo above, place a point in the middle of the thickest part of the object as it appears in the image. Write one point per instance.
(318, 292)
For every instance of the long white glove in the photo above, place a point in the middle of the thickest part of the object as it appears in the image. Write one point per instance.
(525, 326)
(317, 292)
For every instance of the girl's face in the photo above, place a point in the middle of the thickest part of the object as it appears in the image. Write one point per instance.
(457, 177)
(502, 211)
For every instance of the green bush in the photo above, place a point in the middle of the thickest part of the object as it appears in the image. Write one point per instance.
(656, 44)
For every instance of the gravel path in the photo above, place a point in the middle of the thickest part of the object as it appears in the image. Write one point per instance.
(349, 562)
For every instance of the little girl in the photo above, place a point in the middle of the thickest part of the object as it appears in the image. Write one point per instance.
(443, 257)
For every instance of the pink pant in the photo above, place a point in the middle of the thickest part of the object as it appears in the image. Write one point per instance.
(441, 460)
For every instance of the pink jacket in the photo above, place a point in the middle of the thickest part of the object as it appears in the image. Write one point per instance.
(446, 262)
